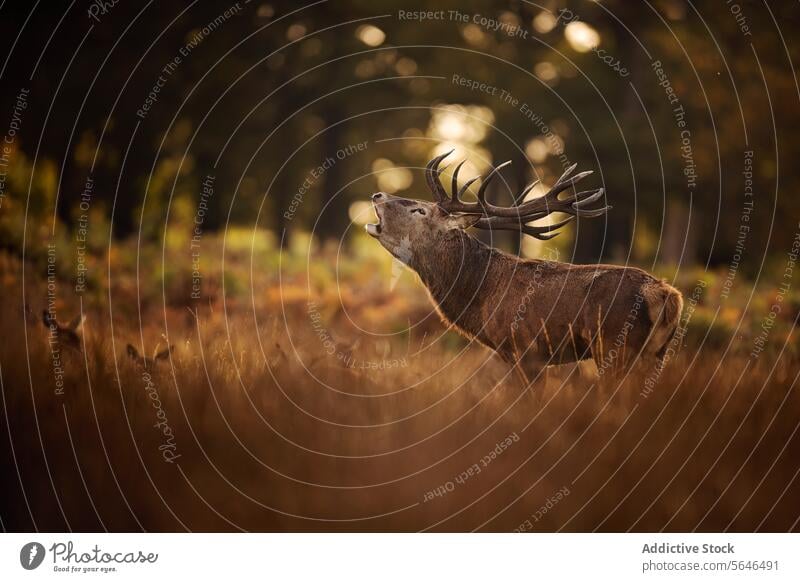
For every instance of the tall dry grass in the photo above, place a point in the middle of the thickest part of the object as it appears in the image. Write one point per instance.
(273, 433)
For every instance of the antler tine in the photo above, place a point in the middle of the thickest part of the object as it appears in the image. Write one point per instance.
(567, 172)
(593, 213)
(454, 189)
(525, 192)
(543, 232)
(465, 187)
(562, 185)
(487, 179)
(507, 223)
(455, 204)
(428, 175)
(432, 173)
(438, 160)
(550, 201)
(584, 198)
(540, 236)
(587, 197)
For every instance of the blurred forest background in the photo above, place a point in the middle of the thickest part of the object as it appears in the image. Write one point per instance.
(262, 99)
(198, 174)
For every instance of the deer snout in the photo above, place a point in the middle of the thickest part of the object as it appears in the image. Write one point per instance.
(374, 230)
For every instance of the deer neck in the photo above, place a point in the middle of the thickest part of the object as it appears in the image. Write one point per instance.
(458, 275)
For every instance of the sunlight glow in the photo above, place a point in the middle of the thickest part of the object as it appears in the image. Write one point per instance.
(546, 71)
(295, 31)
(406, 66)
(390, 178)
(370, 35)
(544, 22)
(581, 36)
(537, 150)
(451, 126)
(474, 35)
(265, 11)
(461, 123)
(361, 212)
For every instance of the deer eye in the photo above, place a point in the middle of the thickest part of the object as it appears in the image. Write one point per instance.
(420, 210)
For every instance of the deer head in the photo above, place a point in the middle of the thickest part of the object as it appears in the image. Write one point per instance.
(70, 334)
(408, 228)
(146, 363)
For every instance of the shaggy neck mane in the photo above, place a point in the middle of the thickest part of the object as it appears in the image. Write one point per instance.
(459, 277)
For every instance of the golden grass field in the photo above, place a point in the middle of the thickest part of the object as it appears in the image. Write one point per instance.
(259, 422)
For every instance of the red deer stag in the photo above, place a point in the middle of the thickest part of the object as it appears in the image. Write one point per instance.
(533, 313)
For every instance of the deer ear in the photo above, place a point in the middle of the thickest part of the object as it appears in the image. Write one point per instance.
(462, 221)
(165, 354)
(77, 323)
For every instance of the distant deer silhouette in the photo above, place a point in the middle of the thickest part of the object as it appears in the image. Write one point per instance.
(148, 364)
(69, 335)
(531, 312)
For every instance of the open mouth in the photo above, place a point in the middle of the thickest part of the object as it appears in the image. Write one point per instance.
(375, 229)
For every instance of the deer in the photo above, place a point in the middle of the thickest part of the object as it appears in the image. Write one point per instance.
(69, 335)
(533, 313)
(148, 364)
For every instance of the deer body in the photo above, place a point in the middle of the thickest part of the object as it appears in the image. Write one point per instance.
(537, 312)
(532, 312)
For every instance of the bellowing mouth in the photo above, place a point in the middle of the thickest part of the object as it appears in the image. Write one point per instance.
(374, 229)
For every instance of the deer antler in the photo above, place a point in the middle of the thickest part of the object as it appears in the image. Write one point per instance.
(432, 173)
(517, 216)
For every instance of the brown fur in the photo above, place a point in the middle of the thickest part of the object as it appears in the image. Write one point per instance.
(532, 312)
(148, 364)
(69, 335)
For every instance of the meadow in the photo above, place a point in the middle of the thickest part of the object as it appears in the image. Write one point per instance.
(314, 389)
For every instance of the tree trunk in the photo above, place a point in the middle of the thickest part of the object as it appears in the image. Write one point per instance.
(334, 204)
